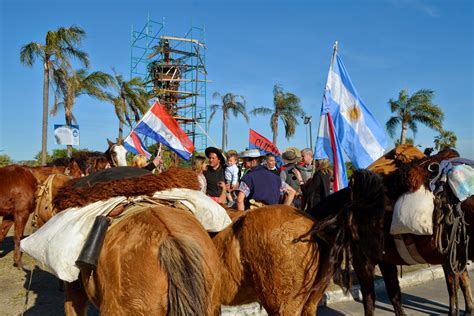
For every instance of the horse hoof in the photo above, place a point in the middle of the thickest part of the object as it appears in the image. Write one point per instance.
(18, 265)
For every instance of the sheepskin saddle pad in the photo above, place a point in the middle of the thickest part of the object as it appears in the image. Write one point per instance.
(122, 181)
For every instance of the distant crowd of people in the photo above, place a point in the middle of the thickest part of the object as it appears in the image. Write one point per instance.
(250, 179)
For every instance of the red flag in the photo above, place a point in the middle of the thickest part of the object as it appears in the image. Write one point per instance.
(261, 143)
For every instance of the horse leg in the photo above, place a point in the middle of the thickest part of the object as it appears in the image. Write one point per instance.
(75, 299)
(20, 222)
(465, 283)
(389, 273)
(365, 274)
(7, 223)
(452, 290)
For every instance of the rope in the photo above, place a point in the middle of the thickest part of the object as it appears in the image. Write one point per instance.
(27, 293)
(451, 236)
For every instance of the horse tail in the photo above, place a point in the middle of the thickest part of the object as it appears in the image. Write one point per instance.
(357, 223)
(184, 263)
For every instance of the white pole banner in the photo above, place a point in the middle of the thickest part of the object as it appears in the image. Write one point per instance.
(66, 135)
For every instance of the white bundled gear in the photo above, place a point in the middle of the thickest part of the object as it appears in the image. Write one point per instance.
(413, 213)
(58, 243)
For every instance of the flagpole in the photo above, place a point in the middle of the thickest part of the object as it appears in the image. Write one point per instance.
(333, 141)
(334, 53)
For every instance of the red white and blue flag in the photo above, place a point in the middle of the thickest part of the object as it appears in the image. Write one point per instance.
(134, 144)
(160, 126)
(264, 145)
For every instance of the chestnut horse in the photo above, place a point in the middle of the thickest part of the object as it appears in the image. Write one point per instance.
(157, 261)
(18, 185)
(408, 177)
(160, 261)
(285, 259)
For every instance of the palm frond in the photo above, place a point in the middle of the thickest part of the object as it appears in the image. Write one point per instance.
(29, 53)
(261, 111)
(391, 124)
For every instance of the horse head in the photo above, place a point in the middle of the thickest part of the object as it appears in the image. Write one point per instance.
(116, 153)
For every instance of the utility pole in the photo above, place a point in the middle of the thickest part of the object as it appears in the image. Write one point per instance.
(306, 121)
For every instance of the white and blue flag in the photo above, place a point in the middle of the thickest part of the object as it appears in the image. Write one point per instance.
(356, 129)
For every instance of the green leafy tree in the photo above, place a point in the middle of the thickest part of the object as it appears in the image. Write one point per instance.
(60, 45)
(131, 98)
(410, 110)
(229, 104)
(5, 160)
(445, 139)
(72, 84)
(286, 106)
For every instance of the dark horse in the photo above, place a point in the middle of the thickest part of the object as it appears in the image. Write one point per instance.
(83, 163)
(409, 177)
(285, 259)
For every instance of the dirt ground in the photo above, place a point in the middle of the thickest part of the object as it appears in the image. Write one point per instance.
(30, 291)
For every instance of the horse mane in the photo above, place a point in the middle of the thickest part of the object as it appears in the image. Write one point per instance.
(346, 216)
(72, 196)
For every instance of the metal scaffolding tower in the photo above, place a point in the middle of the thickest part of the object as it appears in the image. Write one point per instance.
(174, 70)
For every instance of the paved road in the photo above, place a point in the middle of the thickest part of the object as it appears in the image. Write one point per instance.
(430, 298)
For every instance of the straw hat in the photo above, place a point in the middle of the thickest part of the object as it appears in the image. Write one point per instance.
(251, 153)
(291, 155)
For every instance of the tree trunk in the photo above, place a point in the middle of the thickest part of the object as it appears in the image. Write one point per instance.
(44, 132)
(275, 132)
(403, 136)
(120, 134)
(224, 130)
(68, 123)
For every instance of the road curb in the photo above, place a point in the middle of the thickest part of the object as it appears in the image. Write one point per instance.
(336, 296)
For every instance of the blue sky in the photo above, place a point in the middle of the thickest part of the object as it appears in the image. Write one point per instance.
(386, 46)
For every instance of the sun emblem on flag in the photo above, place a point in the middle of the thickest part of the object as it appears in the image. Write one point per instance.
(354, 113)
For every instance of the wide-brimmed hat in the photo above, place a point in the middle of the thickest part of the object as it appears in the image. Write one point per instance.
(291, 155)
(251, 153)
(217, 151)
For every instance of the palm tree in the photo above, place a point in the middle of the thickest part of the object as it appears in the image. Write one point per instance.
(286, 106)
(230, 103)
(72, 84)
(414, 109)
(445, 139)
(59, 46)
(131, 98)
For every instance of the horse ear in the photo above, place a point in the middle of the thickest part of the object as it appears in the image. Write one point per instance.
(110, 142)
(120, 141)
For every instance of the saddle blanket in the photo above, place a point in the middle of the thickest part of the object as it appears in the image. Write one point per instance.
(461, 181)
(58, 243)
(413, 213)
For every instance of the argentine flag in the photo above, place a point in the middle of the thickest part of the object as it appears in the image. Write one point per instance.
(358, 132)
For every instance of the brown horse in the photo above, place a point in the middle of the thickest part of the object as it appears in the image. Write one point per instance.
(18, 185)
(17, 197)
(408, 177)
(158, 260)
(285, 260)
